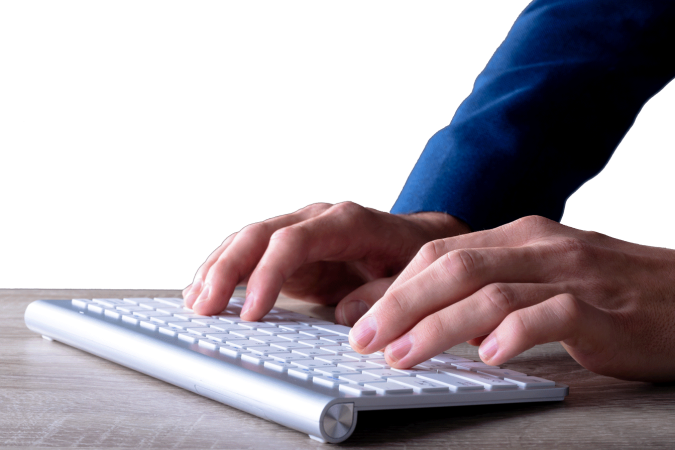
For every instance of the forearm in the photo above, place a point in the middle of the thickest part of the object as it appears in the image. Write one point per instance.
(547, 112)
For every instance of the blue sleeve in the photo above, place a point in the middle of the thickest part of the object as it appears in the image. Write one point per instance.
(547, 112)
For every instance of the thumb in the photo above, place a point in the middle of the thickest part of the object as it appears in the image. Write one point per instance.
(359, 301)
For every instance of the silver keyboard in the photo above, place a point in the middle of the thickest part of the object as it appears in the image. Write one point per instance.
(288, 368)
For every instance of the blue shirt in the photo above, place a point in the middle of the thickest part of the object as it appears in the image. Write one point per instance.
(547, 112)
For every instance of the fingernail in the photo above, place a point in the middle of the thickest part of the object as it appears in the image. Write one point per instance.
(203, 297)
(363, 332)
(248, 304)
(398, 349)
(488, 348)
(195, 287)
(352, 311)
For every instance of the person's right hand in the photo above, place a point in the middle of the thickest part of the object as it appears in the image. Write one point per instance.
(322, 253)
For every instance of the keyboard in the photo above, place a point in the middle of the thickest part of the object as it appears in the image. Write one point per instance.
(288, 368)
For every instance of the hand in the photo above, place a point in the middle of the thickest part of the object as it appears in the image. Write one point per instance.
(611, 303)
(322, 253)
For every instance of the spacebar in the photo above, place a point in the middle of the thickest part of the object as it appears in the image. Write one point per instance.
(337, 329)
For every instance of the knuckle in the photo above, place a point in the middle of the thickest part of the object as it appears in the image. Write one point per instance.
(253, 231)
(460, 264)
(518, 326)
(433, 328)
(348, 209)
(292, 233)
(500, 296)
(533, 225)
(317, 207)
(576, 251)
(431, 251)
(393, 306)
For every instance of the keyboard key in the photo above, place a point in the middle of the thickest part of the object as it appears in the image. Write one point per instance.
(490, 383)
(229, 318)
(148, 325)
(137, 300)
(109, 302)
(356, 389)
(473, 365)
(130, 319)
(500, 373)
(455, 384)
(150, 304)
(254, 325)
(311, 363)
(207, 321)
(231, 351)
(170, 330)
(180, 323)
(171, 310)
(413, 371)
(389, 387)
(311, 352)
(314, 342)
(211, 344)
(187, 316)
(80, 302)
(447, 358)
(359, 378)
(189, 338)
(199, 330)
(222, 326)
(170, 300)
(148, 313)
(335, 371)
(279, 366)
(293, 337)
(529, 382)
(384, 373)
(337, 339)
(315, 333)
(131, 308)
(327, 381)
(266, 339)
(334, 349)
(333, 359)
(255, 358)
(302, 373)
(112, 313)
(419, 385)
(360, 357)
(273, 331)
(356, 365)
(220, 337)
(264, 349)
(286, 356)
(241, 343)
(161, 320)
(294, 327)
(381, 363)
(334, 328)
(301, 318)
(246, 333)
(96, 308)
(286, 345)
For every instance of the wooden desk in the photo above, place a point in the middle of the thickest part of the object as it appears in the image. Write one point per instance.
(52, 395)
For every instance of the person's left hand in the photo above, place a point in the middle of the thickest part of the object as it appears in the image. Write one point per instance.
(611, 303)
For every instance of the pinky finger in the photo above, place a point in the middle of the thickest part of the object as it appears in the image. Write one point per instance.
(560, 318)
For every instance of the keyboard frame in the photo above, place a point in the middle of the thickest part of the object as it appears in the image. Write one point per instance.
(269, 394)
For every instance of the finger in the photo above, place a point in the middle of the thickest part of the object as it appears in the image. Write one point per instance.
(358, 302)
(514, 234)
(453, 277)
(345, 232)
(191, 292)
(240, 257)
(560, 318)
(477, 315)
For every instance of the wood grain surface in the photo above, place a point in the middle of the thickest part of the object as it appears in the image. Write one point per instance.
(55, 396)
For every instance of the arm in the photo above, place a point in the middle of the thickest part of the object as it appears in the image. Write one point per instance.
(547, 112)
